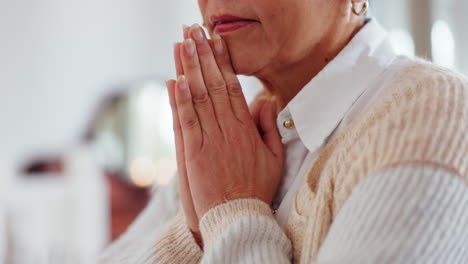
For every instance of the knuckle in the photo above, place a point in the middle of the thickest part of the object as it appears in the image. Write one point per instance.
(190, 123)
(217, 86)
(235, 139)
(192, 64)
(203, 49)
(234, 89)
(184, 101)
(232, 134)
(201, 99)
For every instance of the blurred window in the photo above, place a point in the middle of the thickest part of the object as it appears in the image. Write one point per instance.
(443, 44)
(402, 42)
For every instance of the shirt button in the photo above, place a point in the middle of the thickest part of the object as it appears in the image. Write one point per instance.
(288, 123)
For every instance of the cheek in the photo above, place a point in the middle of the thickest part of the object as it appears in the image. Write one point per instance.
(250, 53)
(293, 27)
(247, 62)
(261, 47)
(202, 4)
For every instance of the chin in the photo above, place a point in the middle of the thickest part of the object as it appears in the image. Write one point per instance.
(245, 62)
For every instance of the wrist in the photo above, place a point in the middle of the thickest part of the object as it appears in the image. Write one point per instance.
(198, 238)
(215, 221)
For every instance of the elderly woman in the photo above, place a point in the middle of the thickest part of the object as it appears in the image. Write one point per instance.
(351, 154)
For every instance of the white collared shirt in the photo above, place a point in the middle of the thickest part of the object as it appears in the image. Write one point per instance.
(330, 101)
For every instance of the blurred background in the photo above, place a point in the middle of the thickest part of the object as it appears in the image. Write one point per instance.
(85, 124)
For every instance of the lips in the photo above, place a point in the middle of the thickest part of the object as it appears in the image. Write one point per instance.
(228, 23)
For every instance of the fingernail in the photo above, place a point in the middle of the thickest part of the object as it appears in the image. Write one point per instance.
(189, 46)
(182, 82)
(218, 44)
(185, 28)
(197, 33)
(167, 83)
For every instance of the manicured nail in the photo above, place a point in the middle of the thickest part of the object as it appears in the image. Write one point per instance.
(197, 33)
(182, 82)
(189, 47)
(167, 83)
(218, 44)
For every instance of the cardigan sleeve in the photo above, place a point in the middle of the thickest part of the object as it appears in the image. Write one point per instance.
(406, 214)
(243, 231)
(159, 235)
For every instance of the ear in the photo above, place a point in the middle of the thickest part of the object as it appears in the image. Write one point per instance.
(359, 7)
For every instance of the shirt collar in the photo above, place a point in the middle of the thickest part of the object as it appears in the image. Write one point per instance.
(320, 106)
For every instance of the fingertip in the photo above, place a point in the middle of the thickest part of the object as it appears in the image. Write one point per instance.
(184, 28)
(271, 135)
(210, 41)
(189, 47)
(176, 47)
(190, 31)
(170, 83)
(274, 110)
(182, 82)
(182, 94)
(218, 45)
(268, 117)
(255, 109)
(272, 107)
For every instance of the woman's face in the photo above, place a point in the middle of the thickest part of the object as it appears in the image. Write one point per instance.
(271, 33)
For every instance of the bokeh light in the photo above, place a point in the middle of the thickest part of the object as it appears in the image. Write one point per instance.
(443, 44)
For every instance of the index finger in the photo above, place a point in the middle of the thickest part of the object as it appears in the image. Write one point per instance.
(212, 76)
(236, 95)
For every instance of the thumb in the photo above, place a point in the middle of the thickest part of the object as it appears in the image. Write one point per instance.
(271, 136)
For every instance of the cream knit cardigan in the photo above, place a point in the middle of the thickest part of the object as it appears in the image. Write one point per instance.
(392, 187)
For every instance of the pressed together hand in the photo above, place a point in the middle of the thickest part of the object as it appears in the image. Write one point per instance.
(224, 151)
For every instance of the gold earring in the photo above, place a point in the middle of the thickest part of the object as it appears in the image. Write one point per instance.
(364, 6)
